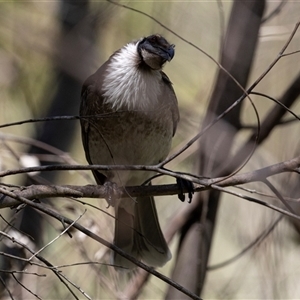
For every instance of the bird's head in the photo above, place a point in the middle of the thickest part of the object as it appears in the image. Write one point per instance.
(154, 51)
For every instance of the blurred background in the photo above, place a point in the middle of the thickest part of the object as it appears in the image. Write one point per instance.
(47, 50)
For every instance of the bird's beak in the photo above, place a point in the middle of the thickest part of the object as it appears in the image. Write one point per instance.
(170, 53)
(166, 54)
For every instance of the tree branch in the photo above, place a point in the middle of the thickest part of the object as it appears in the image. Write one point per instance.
(97, 191)
(97, 238)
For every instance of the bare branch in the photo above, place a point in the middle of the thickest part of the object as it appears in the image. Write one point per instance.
(59, 274)
(96, 191)
(97, 238)
(255, 243)
(24, 287)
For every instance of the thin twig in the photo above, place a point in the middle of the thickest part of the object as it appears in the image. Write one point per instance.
(59, 274)
(97, 238)
(35, 120)
(257, 201)
(6, 288)
(24, 287)
(277, 102)
(254, 243)
(56, 238)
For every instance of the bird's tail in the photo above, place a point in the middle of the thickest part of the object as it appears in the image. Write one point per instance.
(140, 235)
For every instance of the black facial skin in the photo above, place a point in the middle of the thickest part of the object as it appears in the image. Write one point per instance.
(157, 45)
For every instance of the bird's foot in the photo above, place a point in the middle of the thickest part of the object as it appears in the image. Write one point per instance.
(184, 184)
(112, 193)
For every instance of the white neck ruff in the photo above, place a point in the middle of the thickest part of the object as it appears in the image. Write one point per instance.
(127, 87)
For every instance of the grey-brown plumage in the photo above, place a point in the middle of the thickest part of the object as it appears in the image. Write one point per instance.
(137, 115)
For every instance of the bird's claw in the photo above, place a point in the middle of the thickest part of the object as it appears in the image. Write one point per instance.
(112, 193)
(185, 184)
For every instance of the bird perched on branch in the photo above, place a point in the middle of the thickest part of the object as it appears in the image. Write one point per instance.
(129, 114)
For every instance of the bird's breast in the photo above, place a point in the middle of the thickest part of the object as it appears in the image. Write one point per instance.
(130, 138)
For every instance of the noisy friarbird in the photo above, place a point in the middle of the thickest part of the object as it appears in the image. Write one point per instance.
(129, 114)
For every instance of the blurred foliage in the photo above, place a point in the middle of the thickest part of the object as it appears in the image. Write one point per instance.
(28, 37)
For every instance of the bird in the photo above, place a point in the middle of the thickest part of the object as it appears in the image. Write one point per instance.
(128, 115)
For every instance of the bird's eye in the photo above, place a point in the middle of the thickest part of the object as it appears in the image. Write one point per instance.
(154, 39)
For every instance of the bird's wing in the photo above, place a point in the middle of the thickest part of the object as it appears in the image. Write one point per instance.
(172, 100)
(91, 100)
